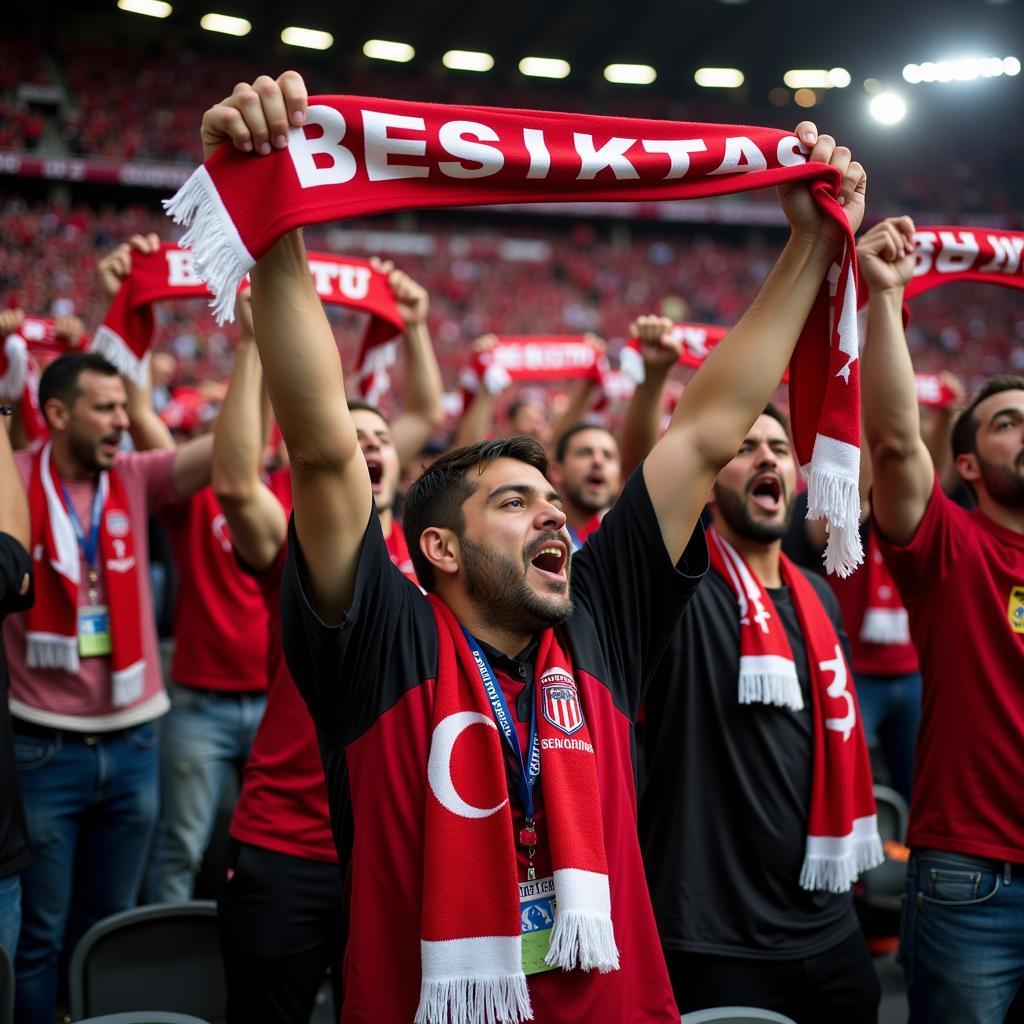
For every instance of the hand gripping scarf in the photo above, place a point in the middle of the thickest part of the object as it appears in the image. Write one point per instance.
(52, 621)
(357, 156)
(842, 830)
(126, 333)
(37, 337)
(471, 940)
(696, 343)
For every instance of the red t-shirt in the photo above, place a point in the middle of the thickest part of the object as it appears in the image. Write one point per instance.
(283, 803)
(220, 619)
(868, 659)
(962, 580)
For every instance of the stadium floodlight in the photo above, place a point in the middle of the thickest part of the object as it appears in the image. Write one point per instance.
(310, 38)
(467, 60)
(963, 69)
(719, 78)
(387, 49)
(226, 24)
(151, 8)
(817, 78)
(544, 67)
(888, 108)
(630, 74)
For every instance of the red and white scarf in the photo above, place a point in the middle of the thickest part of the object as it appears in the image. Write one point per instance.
(357, 156)
(471, 941)
(398, 549)
(932, 391)
(126, 333)
(842, 830)
(696, 342)
(533, 359)
(53, 619)
(945, 254)
(21, 350)
(885, 619)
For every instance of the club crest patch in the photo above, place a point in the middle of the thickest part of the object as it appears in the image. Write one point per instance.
(118, 524)
(560, 702)
(1015, 610)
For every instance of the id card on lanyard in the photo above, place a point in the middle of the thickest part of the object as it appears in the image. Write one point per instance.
(536, 895)
(94, 638)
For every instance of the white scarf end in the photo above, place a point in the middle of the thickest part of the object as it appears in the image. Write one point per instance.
(782, 691)
(836, 498)
(583, 940)
(114, 349)
(837, 874)
(498, 1000)
(12, 383)
(52, 652)
(885, 626)
(221, 259)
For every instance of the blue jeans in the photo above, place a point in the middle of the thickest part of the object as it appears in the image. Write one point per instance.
(10, 914)
(962, 938)
(90, 808)
(890, 707)
(205, 736)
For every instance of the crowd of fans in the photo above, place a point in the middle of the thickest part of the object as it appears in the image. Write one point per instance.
(489, 276)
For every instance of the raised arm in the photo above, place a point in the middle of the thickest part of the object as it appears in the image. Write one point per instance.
(579, 397)
(738, 378)
(478, 417)
(421, 411)
(641, 422)
(902, 468)
(255, 517)
(13, 503)
(330, 482)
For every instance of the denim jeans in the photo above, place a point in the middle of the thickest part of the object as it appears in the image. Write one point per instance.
(962, 938)
(10, 914)
(90, 810)
(890, 707)
(203, 737)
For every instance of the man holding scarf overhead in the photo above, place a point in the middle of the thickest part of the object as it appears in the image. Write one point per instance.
(483, 733)
(961, 577)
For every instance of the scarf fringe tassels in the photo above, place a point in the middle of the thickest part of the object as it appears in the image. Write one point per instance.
(834, 865)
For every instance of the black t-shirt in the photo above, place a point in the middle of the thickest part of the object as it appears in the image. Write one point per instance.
(369, 684)
(726, 794)
(14, 852)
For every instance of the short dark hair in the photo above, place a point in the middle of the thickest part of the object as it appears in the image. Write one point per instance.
(577, 428)
(437, 495)
(60, 379)
(356, 405)
(771, 409)
(965, 430)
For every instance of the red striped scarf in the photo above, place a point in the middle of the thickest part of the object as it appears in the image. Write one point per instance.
(357, 156)
(842, 832)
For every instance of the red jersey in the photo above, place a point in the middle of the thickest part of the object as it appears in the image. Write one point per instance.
(962, 580)
(283, 803)
(219, 616)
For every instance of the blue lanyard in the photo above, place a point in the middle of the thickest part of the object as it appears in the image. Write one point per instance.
(529, 771)
(91, 543)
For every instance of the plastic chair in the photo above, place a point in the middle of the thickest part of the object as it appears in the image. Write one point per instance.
(164, 957)
(6, 988)
(893, 814)
(145, 1017)
(735, 1015)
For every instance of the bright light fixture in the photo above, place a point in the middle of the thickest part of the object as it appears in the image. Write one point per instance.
(630, 74)
(386, 49)
(544, 67)
(310, 38)
(817, 78)
(719, 78)
(225, 23)
(888, 108)
(151, 8)
(964, 69)
(467, 60)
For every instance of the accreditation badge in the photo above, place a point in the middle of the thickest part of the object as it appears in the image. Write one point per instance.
(1015, 610)
(537, 917)
(93, 631)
